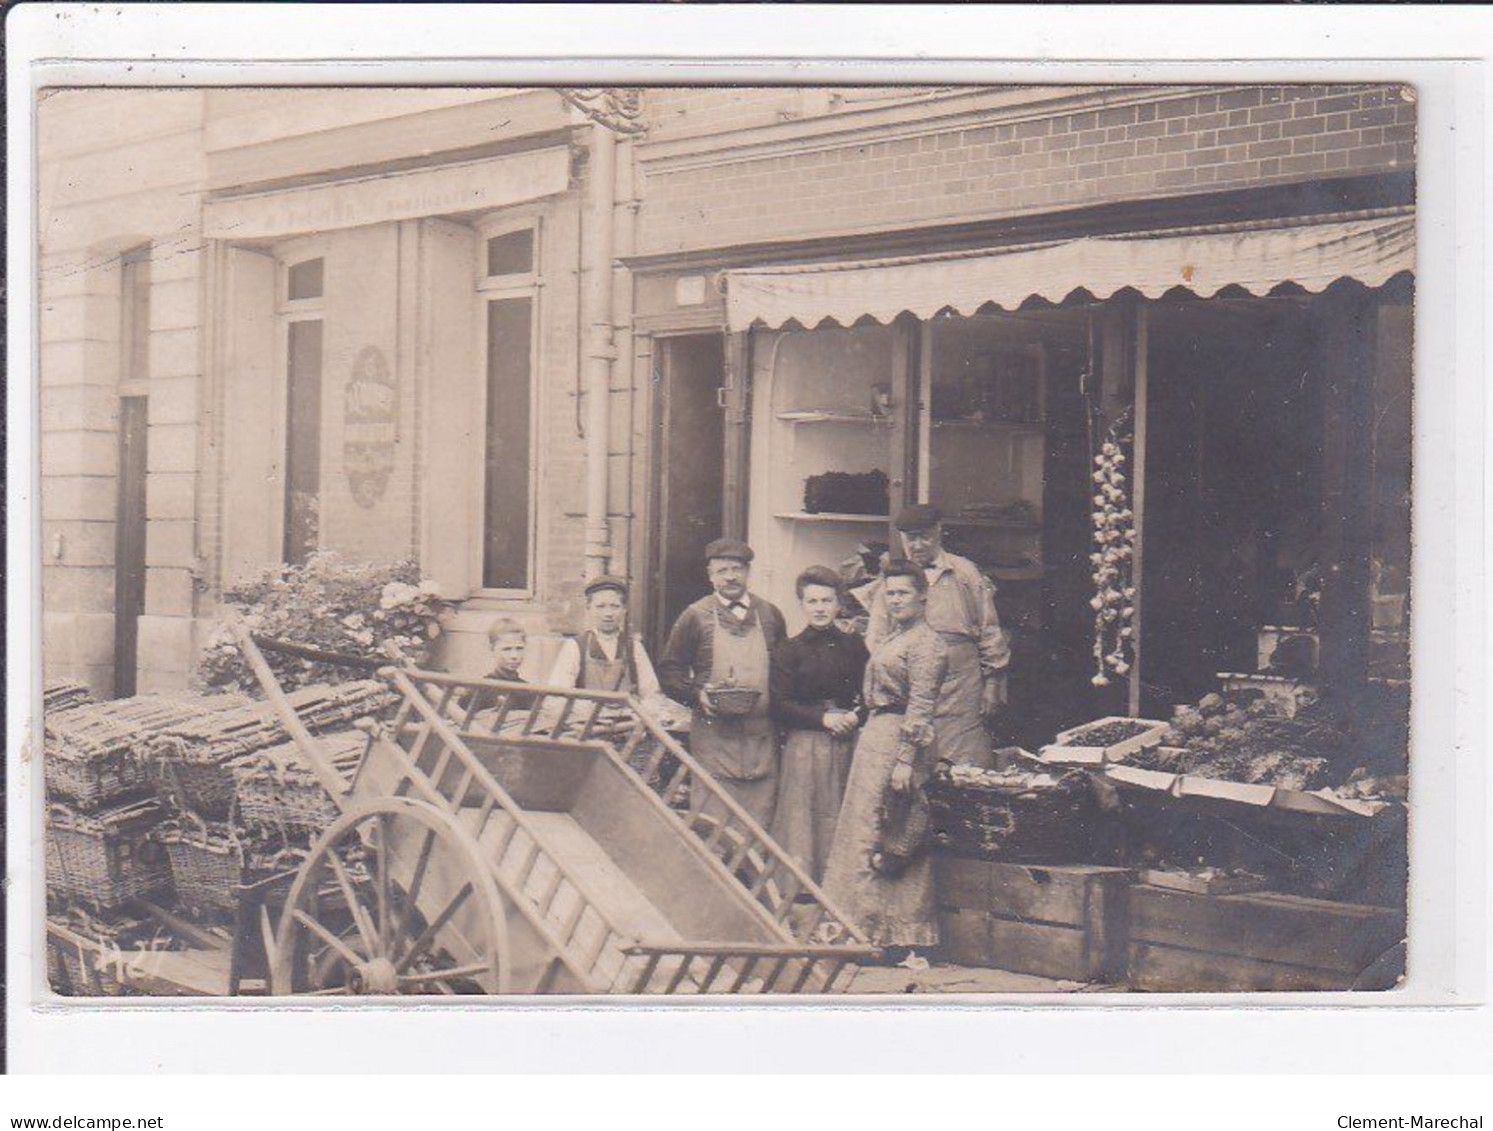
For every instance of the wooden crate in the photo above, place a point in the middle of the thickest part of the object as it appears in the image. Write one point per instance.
(1183, 942)
(1060, 921)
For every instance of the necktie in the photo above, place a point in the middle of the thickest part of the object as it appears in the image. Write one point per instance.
(738, 609)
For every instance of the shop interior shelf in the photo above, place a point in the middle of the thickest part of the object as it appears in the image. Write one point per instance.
(814, 416)
(833, 516)
(993, 524)
(1008, 425)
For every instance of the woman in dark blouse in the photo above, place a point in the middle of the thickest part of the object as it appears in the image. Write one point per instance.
(816, 682)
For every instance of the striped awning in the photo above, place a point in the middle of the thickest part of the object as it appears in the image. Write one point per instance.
(1371, 249)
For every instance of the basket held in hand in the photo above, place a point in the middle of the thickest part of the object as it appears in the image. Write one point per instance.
(733, 700)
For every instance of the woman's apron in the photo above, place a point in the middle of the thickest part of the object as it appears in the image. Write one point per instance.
(740, 751)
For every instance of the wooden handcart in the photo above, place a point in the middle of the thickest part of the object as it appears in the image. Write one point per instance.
(492, 842)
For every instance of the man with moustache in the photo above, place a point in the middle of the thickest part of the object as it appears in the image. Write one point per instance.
(725, 638)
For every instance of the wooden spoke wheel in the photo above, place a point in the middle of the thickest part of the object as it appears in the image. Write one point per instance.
(394, 898)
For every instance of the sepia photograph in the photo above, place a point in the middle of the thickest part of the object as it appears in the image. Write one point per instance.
(742, 541)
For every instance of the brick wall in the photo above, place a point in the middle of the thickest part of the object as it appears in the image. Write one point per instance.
(680, 112)
(1017, 162)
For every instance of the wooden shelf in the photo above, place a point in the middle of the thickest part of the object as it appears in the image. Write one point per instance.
(1034, 426)
(832, 516)
(813, 416)
(993, 524)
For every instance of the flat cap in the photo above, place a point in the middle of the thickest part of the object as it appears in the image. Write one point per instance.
(604, 582)
(919, 516)
(732, 549)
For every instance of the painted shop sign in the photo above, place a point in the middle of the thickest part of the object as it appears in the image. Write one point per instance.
(490, 183)
(370, 426)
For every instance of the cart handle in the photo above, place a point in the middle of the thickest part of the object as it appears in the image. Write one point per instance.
(341, 659)
(766, 950)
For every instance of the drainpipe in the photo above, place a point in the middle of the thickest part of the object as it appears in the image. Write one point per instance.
(598, 233)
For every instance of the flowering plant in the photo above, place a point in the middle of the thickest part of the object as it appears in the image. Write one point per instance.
(385, 612)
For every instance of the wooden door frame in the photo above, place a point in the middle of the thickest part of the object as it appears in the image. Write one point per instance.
(647, 605)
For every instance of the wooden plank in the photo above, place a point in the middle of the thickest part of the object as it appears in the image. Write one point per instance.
(1043, 949)
(1265, 927)
(1066, 894)
(1172, 969)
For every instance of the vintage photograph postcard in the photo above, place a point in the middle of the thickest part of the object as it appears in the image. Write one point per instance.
(725, 540)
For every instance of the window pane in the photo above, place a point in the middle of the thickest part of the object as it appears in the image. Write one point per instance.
(305, 280)
(511, 253)
(303, 442)
(505, 558)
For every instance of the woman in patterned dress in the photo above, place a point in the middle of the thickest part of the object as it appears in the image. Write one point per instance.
(894, 754)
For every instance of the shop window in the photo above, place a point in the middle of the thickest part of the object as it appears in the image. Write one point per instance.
(301, 317)
(508, 472)
(304, 280)
(509, 290)
(511, 253)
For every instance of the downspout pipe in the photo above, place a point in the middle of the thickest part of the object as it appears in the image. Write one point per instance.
(599, 234)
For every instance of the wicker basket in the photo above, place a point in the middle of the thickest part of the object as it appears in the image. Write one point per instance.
(733, 700)
(192, 762)
(1018, 824)
(63, 695)
(277, 792)
(210, 862)
(106, 859)
(92, 750)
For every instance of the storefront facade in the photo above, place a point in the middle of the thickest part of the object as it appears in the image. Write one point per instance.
(488, 331)
(968, 298)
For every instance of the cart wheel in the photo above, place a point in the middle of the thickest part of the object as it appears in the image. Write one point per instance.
(394, 898)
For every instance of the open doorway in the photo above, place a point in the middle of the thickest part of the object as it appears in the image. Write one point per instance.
(689, 473)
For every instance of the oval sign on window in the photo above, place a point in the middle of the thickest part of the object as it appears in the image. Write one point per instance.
(370, 404)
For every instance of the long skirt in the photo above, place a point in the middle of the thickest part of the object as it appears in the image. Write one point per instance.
(811, 788)
(891, 912)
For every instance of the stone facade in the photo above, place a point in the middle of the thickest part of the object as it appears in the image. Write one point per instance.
(719, 171)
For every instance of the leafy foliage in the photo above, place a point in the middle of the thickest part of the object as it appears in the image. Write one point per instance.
(383, 611)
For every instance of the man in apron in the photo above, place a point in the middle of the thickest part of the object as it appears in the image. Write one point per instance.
(723, 640)
(961, 609)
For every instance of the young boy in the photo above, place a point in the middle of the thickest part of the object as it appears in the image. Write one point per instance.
(507, 641)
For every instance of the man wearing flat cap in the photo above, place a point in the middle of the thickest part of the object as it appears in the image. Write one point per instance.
(722, 641)
(608, 657)
(961, 609)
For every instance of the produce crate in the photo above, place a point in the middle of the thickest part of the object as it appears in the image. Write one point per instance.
(1063, 921)
(106, 859)
(1111, 739)
(192, 762)
(1038, 818)
(1189, 943)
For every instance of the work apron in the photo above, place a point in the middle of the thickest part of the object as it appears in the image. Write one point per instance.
(959, 718)
(601, 674)
(740, 751)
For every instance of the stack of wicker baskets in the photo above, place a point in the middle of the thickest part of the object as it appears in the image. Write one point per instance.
(191, 761)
